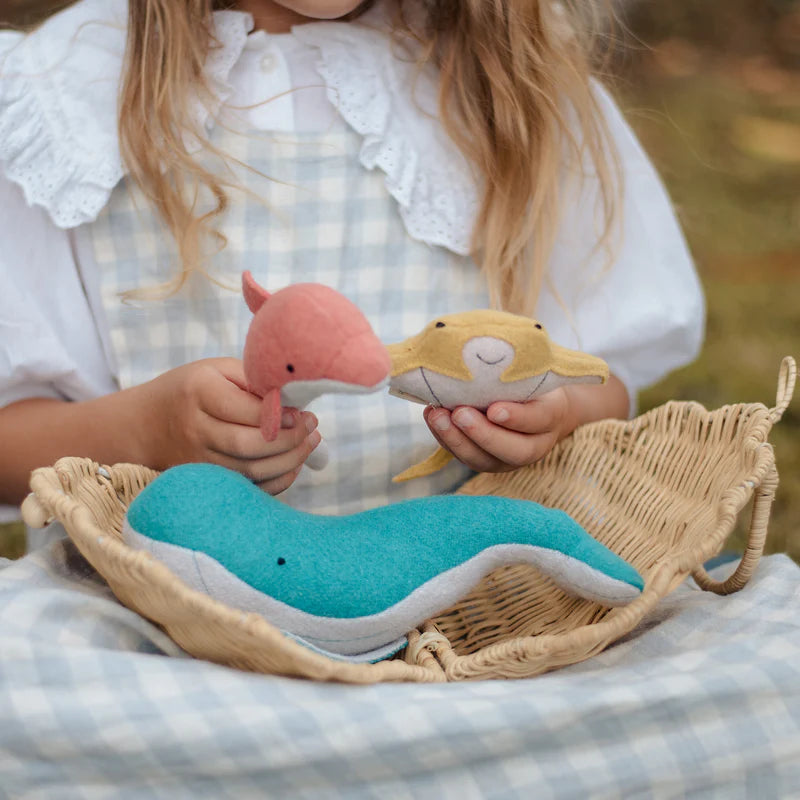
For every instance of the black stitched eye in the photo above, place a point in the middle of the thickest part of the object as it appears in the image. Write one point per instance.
(538, 326)
(440, 324)
(289, 368)
(281, 561)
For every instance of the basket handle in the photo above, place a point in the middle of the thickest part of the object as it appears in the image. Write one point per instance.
(786, 380)
(762, 500)
(756, 537)
(34, 513)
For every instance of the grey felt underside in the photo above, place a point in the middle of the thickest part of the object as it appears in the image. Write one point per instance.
(363, 635)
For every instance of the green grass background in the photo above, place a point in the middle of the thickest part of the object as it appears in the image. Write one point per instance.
(713, 91)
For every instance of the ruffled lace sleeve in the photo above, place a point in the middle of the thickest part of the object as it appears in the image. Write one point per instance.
(58, 104)
(58, 89)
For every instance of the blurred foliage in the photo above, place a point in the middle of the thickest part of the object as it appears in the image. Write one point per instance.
(739, 28)
(12, 540)
(713, 91)
(25, 13)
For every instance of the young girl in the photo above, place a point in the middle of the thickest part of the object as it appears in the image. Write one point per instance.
(421, 157)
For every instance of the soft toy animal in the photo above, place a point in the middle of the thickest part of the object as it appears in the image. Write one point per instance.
(477, 358)
(354, 585)
(304, 341)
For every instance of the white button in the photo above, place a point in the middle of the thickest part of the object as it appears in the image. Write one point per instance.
(268, 62)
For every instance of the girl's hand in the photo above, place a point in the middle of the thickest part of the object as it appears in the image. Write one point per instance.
(508, 436)
(202, 412)
(512, 435)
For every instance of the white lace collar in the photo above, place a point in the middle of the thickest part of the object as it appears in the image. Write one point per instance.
(58, 115)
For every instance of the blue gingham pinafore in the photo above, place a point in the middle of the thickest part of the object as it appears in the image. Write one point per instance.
(324, 218)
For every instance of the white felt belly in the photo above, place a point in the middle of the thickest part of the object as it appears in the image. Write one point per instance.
(451, 392)
(298, 394)
(432, 388)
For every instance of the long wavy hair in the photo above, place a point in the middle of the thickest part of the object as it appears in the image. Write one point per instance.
(515, 96)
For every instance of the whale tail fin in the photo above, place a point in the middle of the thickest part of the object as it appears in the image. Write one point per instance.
(433, 463)
(575, 364)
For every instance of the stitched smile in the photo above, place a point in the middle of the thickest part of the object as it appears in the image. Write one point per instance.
(538, 386)
(433, 394)
(490, 363)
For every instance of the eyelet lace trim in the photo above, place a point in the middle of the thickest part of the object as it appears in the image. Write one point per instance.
(58, 126)
(381, 96)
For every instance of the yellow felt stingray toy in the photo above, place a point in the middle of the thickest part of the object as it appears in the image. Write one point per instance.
(477, 358)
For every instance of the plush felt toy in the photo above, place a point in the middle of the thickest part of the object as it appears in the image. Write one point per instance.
(354, 585)
(306, 340)
(477, 358)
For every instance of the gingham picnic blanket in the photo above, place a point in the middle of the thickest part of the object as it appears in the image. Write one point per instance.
(702, 700)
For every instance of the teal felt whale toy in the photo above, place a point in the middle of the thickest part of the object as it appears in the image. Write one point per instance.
(354, 585)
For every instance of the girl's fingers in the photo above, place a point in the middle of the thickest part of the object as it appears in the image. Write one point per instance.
(485, 446)
(535, 416)
(232, 369)
(460, 445)
(246, 442)
(221, 397)
(268, 469)
(510, 447)
(278, 485)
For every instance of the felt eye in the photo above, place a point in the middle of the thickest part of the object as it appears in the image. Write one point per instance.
(289, 368)
(440, 324)
(538, 326)
(281, 561)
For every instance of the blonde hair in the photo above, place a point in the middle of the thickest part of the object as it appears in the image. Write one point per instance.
(515, 89)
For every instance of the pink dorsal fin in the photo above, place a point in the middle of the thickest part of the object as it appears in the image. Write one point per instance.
(254, 295)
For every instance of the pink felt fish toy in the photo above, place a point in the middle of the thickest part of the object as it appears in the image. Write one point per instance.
(304, 341)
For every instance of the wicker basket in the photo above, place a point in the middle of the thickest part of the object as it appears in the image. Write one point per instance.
(662, 490)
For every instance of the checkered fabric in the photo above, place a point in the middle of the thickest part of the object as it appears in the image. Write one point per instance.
(702, 700)
(324, 218)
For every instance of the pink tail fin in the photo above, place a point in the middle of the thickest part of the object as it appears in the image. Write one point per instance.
(271, 414)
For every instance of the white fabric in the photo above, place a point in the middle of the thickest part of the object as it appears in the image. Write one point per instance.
(274, 86)
(49, 343)
(644, 314)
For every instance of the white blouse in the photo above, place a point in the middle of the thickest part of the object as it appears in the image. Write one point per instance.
(59, 162)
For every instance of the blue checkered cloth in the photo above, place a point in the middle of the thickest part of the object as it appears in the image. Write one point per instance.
(703, 699)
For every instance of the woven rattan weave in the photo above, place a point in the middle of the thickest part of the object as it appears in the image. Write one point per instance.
(662, 490)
